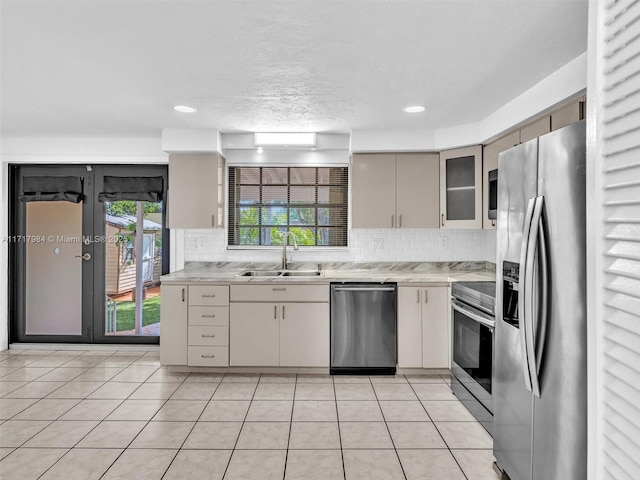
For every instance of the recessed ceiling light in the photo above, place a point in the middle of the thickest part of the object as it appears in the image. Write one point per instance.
(184, 109)
(260, 149)
(414, 109)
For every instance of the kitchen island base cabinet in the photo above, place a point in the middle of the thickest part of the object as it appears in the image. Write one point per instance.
(173, 319)
(423, 327)
(254, 335)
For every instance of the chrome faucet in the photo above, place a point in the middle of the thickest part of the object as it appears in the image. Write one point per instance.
(284, 248)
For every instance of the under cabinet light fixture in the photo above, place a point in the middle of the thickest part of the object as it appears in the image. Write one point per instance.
(293, 139)
(414, 109)
(184, 109)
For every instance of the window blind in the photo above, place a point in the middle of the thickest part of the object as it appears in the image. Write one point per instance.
(267, 202)
(619, 125)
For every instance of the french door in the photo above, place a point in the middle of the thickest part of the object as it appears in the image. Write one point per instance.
(87, 246)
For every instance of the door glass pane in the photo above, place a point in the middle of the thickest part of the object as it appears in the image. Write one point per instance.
(53, 290)
(122, 277)
(461, 188)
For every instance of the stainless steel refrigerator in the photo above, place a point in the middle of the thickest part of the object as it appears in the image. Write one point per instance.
(540, 377)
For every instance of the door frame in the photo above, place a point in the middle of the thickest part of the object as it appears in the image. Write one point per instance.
(93, 224)
(99, 248)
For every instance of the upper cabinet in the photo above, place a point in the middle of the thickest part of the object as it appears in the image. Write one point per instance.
(572, 113)
(535, 129)
(490, 154)
(461, 188)
(196, 191)
(395, 191)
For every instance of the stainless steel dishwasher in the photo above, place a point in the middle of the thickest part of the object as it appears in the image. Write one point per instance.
(363, 328)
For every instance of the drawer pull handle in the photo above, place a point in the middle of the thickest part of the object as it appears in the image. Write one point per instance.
(208, 316)
(282, 289)
(207, 356)
(208, 295)
(207, 335)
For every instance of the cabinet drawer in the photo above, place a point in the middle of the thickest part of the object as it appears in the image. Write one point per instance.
(280, 293)
(208, 335)
(199, 315)
(208, 295)
(208, 357)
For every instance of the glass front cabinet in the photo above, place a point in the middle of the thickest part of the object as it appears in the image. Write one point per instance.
(461, 188)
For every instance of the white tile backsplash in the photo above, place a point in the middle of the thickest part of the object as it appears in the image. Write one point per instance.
(365, 245)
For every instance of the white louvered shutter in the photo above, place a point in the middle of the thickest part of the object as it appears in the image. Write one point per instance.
(618, 128)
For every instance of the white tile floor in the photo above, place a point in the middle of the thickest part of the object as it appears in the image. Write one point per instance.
(119, 415)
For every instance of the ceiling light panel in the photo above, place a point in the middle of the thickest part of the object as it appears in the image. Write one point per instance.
(297, 139)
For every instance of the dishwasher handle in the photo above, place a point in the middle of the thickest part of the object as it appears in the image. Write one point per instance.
(364, 289)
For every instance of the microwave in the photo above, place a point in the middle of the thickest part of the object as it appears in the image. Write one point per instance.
(493, 194)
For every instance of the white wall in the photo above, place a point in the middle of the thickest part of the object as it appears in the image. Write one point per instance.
(365, 245)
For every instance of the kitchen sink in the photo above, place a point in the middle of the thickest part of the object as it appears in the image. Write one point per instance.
(301, 273)
(280, 273)
(260, 273)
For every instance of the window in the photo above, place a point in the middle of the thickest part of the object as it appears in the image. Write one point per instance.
(267, 202)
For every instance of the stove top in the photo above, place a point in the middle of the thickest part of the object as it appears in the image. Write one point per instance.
(481, 295)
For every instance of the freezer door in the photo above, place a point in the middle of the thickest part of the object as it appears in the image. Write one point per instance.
(560, 414)
(513, 405)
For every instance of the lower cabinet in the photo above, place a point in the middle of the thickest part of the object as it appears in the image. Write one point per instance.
(253, 335)
(423, 327)
(304, 335)
(194, 325)
(173, 321)
(282, 333)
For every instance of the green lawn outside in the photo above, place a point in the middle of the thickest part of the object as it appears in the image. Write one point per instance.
(127, 313)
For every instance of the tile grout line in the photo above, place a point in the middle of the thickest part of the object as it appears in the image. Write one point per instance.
(233, 450)
(194, 423)
(438, 430)
(387, 427)
(335, 400)
(293, 406)
(136, 436)
(96, 426)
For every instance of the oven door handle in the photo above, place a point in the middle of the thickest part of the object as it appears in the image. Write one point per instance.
(472, 315)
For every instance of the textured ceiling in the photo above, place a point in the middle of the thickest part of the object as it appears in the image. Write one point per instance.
(116, 68)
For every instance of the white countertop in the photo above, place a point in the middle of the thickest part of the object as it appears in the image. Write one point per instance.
(433, 273)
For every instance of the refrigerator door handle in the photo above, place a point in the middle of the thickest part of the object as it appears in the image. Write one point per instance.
(531, 294)
(524, 293)
(543, 314)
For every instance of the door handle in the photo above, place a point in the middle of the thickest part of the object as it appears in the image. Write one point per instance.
(442, 220)
(523, 298)
(85, 256)
(532, 249)
(400, 221)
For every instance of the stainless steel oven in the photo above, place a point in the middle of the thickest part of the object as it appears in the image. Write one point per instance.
(472, 313)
